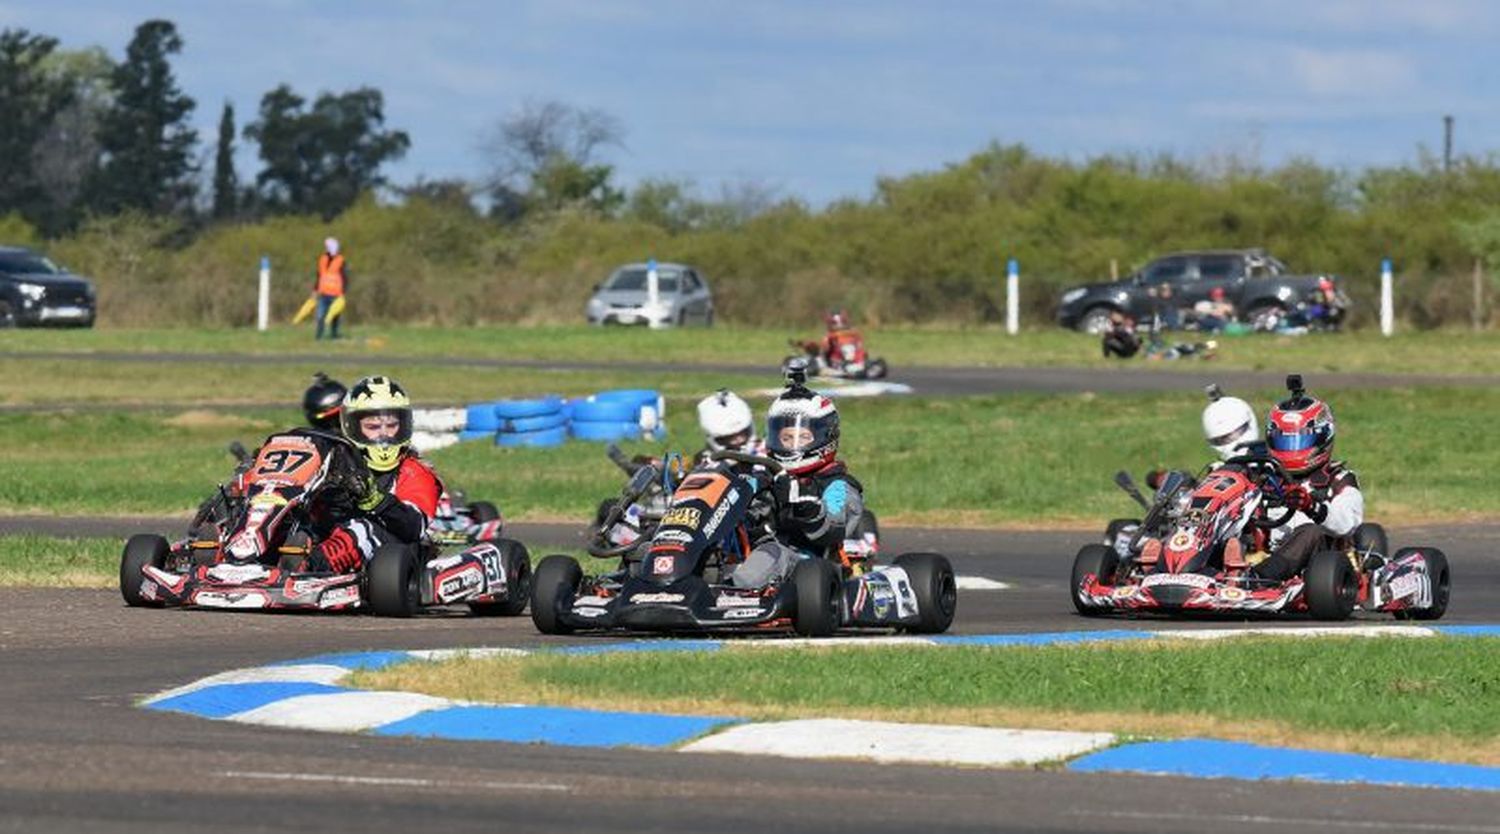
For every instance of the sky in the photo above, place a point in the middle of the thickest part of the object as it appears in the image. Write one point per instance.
(817, 100)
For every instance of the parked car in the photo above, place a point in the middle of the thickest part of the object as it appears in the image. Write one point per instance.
(682, 297)
(36, 291)
(1258, 285)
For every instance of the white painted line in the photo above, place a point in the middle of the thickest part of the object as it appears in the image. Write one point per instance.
(389, 781)
(341, 712)
(299, 673)
(980, 583)
(829, 738)
(438, 655)
(1311, 631)
(1281, 823)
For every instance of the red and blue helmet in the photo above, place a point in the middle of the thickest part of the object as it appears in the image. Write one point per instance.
(1300, 433)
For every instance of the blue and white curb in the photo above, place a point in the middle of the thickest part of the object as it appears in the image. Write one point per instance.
(308, 695)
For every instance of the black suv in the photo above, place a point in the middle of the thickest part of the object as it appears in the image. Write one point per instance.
(36, 291)
(1254, 282)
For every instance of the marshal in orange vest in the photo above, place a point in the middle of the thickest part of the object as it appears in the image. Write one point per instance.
(330, 274)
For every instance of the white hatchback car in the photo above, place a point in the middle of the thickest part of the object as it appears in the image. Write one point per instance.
(680, 297)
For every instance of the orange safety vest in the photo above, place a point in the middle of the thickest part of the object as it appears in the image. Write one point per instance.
(330, 274)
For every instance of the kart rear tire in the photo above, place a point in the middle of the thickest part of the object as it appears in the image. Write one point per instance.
(141, 550)
(391, 581)
(518, 581)
(936, 588)
(817, 584)
(876, 369)
(482, 511)
(1099, 560)
(1112, 530)
(1437, 568)
(1330, 585)
(1371, 536)
(553, 588)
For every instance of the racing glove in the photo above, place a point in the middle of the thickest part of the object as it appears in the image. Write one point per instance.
(367, 494)
(1299, 497)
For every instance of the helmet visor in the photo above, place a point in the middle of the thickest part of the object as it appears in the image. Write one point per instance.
(738, 440)
(1230, 436)
(794, 433)
(1292, 441)
(379, 427)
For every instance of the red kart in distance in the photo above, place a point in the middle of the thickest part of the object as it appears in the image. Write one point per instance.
(1211, 532)
(254, 560)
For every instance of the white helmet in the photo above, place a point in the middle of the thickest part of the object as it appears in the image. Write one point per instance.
(1229, 424)
(727, 422)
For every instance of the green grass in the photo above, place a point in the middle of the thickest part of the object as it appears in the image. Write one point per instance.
(1026, 460)
(1437, 352)
(45, 561)
(1438, 697)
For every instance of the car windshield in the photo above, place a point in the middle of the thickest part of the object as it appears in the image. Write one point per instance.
(26, 263)
(635, 279)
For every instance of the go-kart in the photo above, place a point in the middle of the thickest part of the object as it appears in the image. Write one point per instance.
(1193, 550)
(675, 581)
(257, 559)
(850, 361)
(457, 521)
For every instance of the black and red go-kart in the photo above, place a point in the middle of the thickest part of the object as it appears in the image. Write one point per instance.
(245, 566)
(677, 584)
(1212, 535)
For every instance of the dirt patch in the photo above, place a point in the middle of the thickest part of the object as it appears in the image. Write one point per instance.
(203, 419)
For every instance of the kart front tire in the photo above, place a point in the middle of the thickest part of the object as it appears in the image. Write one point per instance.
(517, 581)
(391, 579)
(936, 588)
(141, 550)
(816, 584)
(482, 511)
(1437, 570)
(1099, 560)
(1371, 537)
(876, 370)
(1330, 585)
(553, 589)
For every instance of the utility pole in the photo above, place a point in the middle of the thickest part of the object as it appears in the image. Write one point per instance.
(1447, 144)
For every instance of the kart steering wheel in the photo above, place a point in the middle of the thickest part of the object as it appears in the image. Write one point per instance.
(1268, 474)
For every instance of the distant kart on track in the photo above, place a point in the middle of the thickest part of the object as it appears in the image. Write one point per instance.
(677, 583)
(1201, 533)
(253, 561)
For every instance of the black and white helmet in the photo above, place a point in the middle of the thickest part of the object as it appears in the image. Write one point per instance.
(802, 430)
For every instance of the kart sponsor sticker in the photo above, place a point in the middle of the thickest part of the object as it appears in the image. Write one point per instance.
(148, 589)
(445, 562)
(302, 587)
(718, 517)
(682, 517)
(236, 573)
(679, 536)
(906, 598)
(741, 613)
(229, 599)
(339, 596)
(589, 611)
(494, 568)
(1407, 585)
(732, 601)
(1194, 580)
(663, 564)
(591, 601)
(642, 599)
(1124, 591)
(460, 585)
(1181, 540)
(1232, 594)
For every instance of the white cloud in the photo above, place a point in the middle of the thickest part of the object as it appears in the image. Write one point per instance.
(1352, 72)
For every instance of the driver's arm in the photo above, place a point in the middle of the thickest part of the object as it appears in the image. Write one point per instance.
(842, 506)
(410, 506)
(1342, 513)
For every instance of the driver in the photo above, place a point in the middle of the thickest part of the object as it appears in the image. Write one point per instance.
(727, 425)
(817, 502)
(396, 497)
(840, 340)
(1323, 492)
(322, 401)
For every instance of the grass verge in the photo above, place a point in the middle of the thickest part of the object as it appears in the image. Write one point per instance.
(1432, 698)
(1435, 352)
(1024, 460)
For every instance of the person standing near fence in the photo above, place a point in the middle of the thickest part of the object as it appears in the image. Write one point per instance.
(332, 282)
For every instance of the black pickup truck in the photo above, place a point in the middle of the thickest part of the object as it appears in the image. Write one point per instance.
(1257, 284)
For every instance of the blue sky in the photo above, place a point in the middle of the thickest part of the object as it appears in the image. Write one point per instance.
(817, 100)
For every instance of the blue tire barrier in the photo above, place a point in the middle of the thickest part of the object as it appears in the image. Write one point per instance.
(475, 434)
(522, 424)
(542, 437)
(640, 396)
(601, 430)
(605, 411)
(481, 417)
(521, 409)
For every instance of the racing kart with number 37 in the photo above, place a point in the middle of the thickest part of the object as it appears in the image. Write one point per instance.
(252, 562)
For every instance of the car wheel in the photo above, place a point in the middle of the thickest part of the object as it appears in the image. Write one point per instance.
(7, 315)
(1437, 570)
(140, 551)
(1094, 321)
(1330, 585)
(1098, 561)
(554, 586)
(391, 580)
(518, 582)
(936, 587)
(816, 583)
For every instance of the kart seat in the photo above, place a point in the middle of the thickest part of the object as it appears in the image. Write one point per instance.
(1234, 555)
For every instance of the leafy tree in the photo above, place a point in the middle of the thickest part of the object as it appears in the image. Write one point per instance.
(226, 182)
(147, 143)
(546, 152)
(30, 99)
(70, 149)
(321, 159)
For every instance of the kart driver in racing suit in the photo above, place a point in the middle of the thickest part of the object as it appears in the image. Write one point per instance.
(840, 335)
(1324, 493)
(395, 499)
(818, 501)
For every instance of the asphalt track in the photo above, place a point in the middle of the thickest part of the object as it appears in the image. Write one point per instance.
(936, 381)
(76, 756)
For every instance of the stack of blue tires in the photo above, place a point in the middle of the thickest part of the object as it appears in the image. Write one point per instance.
(480, 422)
(541, 422)
(628, 414)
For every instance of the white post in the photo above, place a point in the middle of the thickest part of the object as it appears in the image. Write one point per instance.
(651, 283)
(1012, 297)
(263, 308)
(1387, 308)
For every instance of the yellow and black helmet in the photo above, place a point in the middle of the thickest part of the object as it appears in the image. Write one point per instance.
(377, 418)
